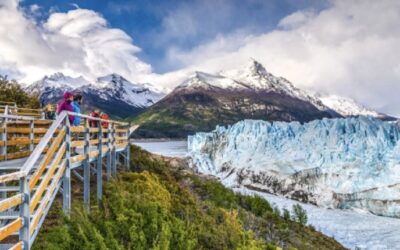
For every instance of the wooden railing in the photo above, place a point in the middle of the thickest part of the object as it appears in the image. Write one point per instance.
(10, 108)
(29, 191)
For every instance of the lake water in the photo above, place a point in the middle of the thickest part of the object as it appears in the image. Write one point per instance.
(355, 230)
(166, 148)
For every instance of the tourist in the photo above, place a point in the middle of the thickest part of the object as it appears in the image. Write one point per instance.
(66, 105)
(76, 104)
(95, 114)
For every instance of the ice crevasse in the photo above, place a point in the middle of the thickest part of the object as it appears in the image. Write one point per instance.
(337, 163)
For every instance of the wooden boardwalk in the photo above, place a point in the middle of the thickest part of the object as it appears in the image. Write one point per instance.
(38, 158)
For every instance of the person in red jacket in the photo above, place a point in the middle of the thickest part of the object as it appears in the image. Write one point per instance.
(66, 105)
(95, 114)
(104, 116)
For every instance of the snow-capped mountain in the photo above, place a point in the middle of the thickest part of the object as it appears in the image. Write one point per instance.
(115, 86)
(348, 107)
(112, 93)
(255, 76)
(205, 100)
(338, 163)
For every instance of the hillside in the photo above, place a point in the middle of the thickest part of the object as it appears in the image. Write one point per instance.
(164, 205)
(204, 101)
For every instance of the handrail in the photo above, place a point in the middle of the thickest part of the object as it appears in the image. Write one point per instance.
(28, 165)
(96, 119)
(30, 162)
(19, 117)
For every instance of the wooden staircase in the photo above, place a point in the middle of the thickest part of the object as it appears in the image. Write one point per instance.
(37, 159)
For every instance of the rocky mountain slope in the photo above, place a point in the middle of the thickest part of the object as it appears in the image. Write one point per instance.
(204, 101)
(338, 163)
(112, 93)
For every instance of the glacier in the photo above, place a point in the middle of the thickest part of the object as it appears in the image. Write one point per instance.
(347, 163)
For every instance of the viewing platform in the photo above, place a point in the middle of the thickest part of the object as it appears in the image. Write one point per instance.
(38, 157)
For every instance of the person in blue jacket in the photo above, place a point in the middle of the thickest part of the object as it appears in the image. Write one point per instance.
(76, 104)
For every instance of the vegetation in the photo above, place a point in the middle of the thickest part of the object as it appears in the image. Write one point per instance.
(11, 91)
(163, 205)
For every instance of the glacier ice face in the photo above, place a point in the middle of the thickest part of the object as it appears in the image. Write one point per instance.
(337, 163)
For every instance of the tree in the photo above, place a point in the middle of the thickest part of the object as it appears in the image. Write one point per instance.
(299, 214)
(11, 91)
(286, 214)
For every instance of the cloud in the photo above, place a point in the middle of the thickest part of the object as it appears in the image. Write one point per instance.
(78, 42)
(350, 49)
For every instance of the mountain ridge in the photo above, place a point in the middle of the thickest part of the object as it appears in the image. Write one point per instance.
(111, 93)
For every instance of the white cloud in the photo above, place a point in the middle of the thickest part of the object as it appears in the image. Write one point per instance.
(350, 49)
(78, 42)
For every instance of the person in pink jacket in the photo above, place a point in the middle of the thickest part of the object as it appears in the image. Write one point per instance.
(66, 105)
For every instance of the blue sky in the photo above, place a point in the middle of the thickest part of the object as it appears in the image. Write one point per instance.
(157, 26)
(347, 48)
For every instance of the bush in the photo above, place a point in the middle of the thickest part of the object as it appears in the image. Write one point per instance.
(299, 214)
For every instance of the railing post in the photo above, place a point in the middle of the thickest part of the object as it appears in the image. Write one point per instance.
(99, 173)
(113, 153)
(3, 150)
(31, 135)
(86, 167)
(67, 175)
(109, 152)
(128, 152)
(24, 213)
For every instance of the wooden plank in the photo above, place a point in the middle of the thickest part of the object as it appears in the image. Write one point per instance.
(2, 143)
(43, 185)
(28, 114)
(2, 130)
(94, 130)
(40, 130)
(75, 144)
(121, 138)
(46, 199)
(19, 155)
(18, 246)
(10, 202)
(121, 145)
(19, 130)
(10, 228)
(78, 158)
(46, 160)
(93, 154)
(2, 157)
(122, 130)
(43, 122)
(94, 142)
(105, 130)
(104, 140)
(19, 141)
(78, 129)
